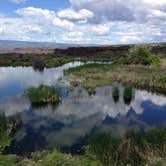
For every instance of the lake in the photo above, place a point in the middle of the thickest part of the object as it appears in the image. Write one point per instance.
(68, 125)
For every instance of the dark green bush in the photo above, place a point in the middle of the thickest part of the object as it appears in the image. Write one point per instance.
(38, 63)
(140, 54)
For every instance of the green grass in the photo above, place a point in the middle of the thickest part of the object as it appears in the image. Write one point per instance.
(135, 148)
(8, 160)
(57, 61)
(58, 159)
(54, 158)
(43, 95)
(38, 62)
(88, 67)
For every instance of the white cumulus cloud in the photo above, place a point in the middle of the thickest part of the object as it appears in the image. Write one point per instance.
(18, 1)
(64, 24)
(93, 21)
(73, 15)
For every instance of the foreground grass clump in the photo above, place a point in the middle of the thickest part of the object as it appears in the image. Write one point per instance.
(148, 77)
(115, 94)
(140, 54)
(4, 133)
(128, 94)
(7, 128)
(43, 95)
(134, 149)
(91, 91)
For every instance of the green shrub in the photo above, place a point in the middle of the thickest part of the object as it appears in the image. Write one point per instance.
(140, 54)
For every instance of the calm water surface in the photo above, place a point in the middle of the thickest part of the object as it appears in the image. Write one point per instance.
(69, 124)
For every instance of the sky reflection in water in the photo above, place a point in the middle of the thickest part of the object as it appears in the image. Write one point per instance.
(77, 115)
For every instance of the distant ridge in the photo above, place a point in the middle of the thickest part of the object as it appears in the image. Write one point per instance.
(32, 44)
(9, 45)
(12, 46)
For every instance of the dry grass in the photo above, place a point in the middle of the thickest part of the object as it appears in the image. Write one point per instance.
(149, 77)
(163, 64)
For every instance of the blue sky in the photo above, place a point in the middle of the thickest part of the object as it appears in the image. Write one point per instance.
(8, 8)
(83, 21)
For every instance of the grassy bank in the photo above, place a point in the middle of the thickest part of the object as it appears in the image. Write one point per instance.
(134, 149)
(46, 158)
(38, 61)
(94, 75)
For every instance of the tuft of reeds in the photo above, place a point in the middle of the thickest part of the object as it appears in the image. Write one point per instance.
(115, 94)
(43, 95)
(128, 94)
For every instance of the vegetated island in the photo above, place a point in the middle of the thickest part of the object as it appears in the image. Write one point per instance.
(140, 68)
(43, 95)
